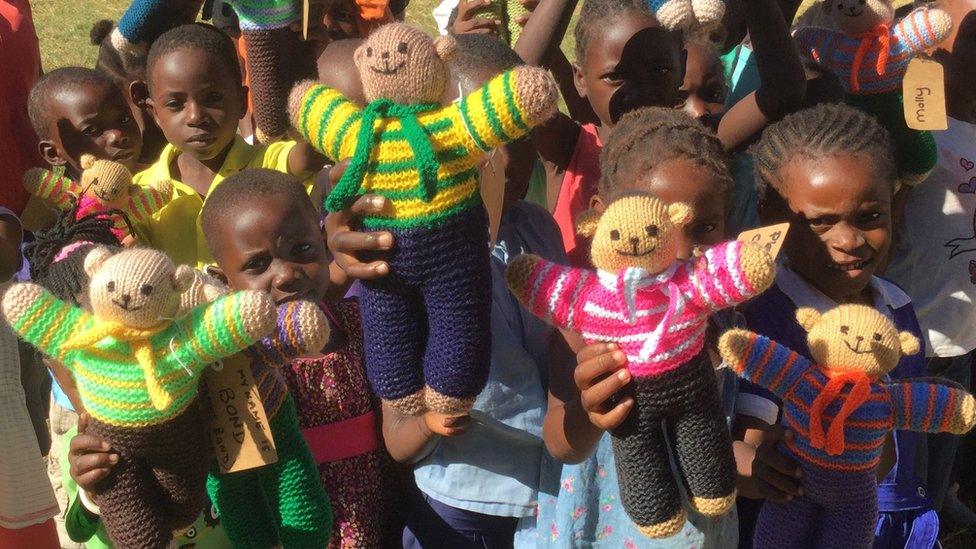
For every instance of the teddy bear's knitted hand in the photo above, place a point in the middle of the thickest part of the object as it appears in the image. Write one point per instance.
(537, 94)
(41, 319)
(519, 274)
(931, 407)
(145, 201)
(203, 289)
(963, 416)
(762, 360)
(57, 189)
(226, 326)
(923, 29)
(758, 267)
(302, 329)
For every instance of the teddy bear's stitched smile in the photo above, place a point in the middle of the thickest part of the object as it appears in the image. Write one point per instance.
(855, 348)
(125, 306)
(635, 253)
(387, 71)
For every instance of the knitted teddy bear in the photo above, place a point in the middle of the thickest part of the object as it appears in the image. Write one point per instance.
(841, 410)
(686, 14)
(870, 54)
(137, 367)
(427, 324)
(508, 12)
(283, 502)
(655, 308)
(105, 185)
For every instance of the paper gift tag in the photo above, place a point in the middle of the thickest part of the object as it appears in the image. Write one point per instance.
(924, 95)
(238, 425)
(492, 182)
(305, 10)
(770, 237)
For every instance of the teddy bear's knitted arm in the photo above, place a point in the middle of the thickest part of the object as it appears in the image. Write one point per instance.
(212, 331)
(762, 360)
(57, 189)
(729, 274)
(145, 20)
(932, 407)
(551, 291)
(145, 201)
(326, 119)
(302, 328)
(43, 320)
(922, 29)
(507, 107)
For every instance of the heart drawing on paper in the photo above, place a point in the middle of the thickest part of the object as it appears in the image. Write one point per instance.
(969, 187)
(966, 164)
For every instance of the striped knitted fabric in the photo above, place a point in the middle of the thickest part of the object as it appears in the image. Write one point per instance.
(920, 30)
(55, 188)
(266, 14)
(109, 378)
(146, 20)
(491, 116)
(141, 205)
(915, 406)
(593, 303)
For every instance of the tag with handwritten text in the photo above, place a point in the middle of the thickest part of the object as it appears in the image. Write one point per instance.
(238, 425)
(924, 95)
(771, 237)
(492, 181)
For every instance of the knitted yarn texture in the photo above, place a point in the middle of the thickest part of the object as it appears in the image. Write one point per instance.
(686, 14)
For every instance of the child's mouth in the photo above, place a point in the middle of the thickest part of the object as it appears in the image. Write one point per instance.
(850, 266)
(201, 139)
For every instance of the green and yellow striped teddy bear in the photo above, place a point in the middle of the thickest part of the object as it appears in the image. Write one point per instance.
(427, 324)
(137, 362)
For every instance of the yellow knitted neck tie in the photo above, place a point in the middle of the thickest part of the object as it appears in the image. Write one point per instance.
(138, 339)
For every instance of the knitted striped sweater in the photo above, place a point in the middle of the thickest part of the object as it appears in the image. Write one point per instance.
(481, 121)
(914, 34)
(908, 405)
(660, 324)
(110, 380)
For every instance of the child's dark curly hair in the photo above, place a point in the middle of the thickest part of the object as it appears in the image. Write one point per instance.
(199, 36)
(822, 131)
(646, 138)
(595, 14)
(66, 278)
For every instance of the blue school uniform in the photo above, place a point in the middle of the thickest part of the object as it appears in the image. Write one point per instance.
(906, 518)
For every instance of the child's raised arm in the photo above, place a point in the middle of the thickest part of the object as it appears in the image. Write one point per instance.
(932, 408)
(762, 360)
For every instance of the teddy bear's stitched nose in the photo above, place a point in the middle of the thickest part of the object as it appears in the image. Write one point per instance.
(385, 55)
(126, 298)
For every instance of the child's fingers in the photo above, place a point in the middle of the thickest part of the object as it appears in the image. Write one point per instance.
(616, 415)
(594, 350)
(82, 422)
(774, 460)
(771, 491)
(588, 371)
(81, 444)
(89, 479)
(350, 242)
(365, 271)
(83, 464)
(368, 204)
(599, 393)
(481, 25)
(521, 20)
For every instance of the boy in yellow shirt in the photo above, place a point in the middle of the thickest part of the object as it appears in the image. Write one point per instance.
(194, 91)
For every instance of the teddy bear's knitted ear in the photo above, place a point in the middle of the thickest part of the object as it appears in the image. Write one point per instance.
(586, 223)
(447, 48)
(87, 161)
(95, 259)
(807, 317)
(183, 278)
(679, 213)
(909, 343)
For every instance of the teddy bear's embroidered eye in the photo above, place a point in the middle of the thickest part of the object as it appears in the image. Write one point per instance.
(615, 235)
(369, 52)
(145, 289)
(877, 337)
(110, 286)
(402, 47)
(651, 230)
(845, 330)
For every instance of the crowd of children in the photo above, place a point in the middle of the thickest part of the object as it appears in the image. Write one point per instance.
(731, 122)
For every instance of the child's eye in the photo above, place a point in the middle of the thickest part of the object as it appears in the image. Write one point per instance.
(214, 97)
(819, 222)
(870, 217)
(613, 79)
(173, 105)
(126, 119)
(255, 266)
(705, 228)
(91, 131)
(302, 248)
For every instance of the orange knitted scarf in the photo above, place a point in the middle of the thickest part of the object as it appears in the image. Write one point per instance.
(835, 384)
(880, 34)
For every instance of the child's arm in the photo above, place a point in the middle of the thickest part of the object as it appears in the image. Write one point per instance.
(549, 290)
(783, 80)
(729, 274)
(216, 330)
(301, 329)
(507, 107)
(304, 160)
(923, 29)
(145, 201)
(325, 119)
(762, 360)
(932, 408)
(411, 438)
(43, 320)
(11, 236)
(57, 189)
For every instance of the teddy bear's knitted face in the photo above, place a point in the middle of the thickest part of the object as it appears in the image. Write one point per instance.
(401, 63)
(856, 16)
(855, 338)
(638, 231)
(108, 181)
(138, 288)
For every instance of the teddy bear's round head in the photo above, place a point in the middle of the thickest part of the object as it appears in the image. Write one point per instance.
(401, 63)
(855, 338)
(857, 16)
(106, 180)
(636, 230)
(138, 287)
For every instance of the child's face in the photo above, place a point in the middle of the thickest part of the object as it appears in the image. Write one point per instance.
(274, 245)
(704, 82)
(632, 63)
(680, 180)
(94, 119)
(196, 102)
(839, 210)
(961, 73)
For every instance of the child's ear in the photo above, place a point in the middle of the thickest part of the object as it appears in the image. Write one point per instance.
(50, 153)
(679, 213)
(909, 343)
(95, 258)
(586, 223)
(217, 273)
(807, 317)
(139, 91)
(183, 278)
(579, 81)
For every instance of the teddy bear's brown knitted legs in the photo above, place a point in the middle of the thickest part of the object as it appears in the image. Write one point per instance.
(276, 60)
(179, 464)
